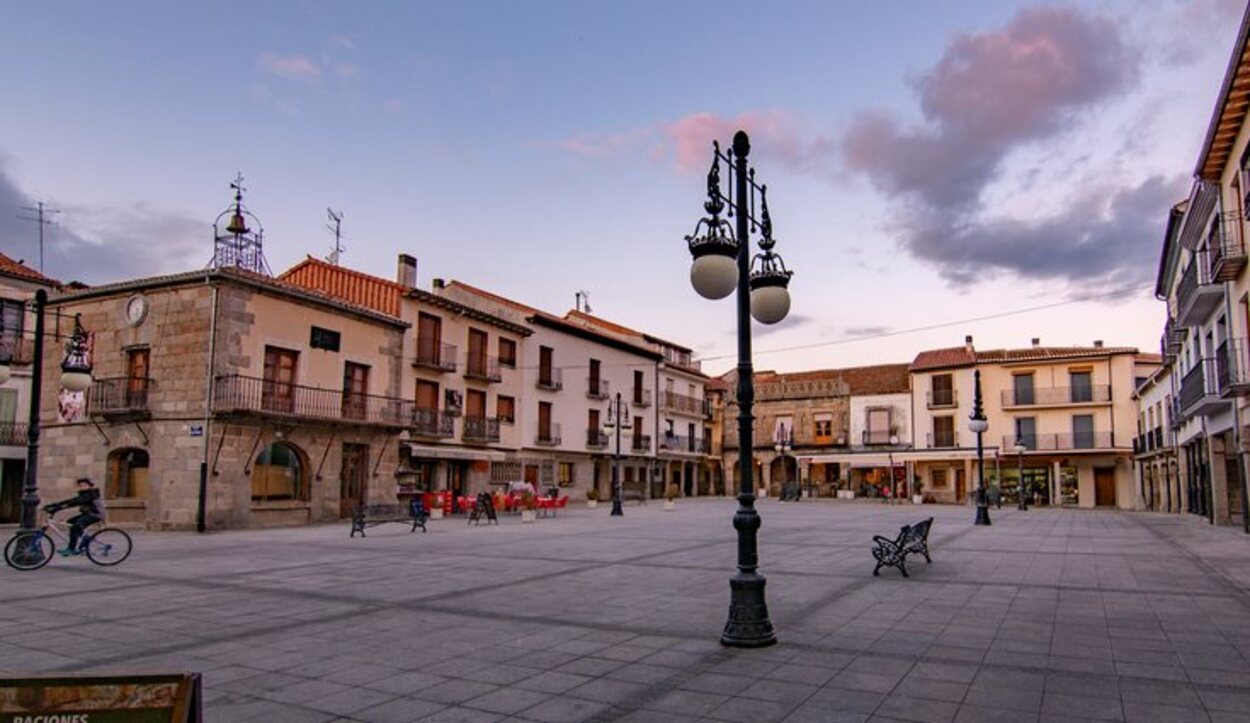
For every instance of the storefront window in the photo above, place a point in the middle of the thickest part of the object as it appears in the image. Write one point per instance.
(1069, 486)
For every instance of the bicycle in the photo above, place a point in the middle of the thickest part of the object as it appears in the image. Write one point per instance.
(32, 549)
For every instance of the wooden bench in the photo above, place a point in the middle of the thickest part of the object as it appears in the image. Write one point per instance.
(370, 515)
(893, 553)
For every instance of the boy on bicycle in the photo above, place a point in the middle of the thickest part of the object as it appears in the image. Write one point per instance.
(90, 511)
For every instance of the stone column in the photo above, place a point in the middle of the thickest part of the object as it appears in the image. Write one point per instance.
(1219, 478)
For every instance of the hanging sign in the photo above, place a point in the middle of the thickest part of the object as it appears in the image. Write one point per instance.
(102, 699)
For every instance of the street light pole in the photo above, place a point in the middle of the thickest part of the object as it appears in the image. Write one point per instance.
(978, 424)
(782, 447)
(617, 422)
(722, 265)
(1019, 449)
(890, 452)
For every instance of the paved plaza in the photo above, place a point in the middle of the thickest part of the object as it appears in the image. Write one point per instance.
(1048, 615)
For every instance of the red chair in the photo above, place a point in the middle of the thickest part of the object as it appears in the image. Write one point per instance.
(562, 502)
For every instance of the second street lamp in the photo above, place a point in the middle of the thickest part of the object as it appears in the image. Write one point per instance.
(782, 446)
(618, 419)
(723, 264)
(977, 424)
(1023, 503)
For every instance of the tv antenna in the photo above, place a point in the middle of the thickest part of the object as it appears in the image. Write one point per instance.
(582, 300)
(335, 228)
(39, 214)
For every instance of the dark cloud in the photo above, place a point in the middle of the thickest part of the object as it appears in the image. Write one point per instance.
(858, 331)
(98, 245)
(793, 321)
(991, 94)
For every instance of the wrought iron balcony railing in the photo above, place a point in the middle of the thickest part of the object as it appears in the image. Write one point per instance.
(432, 354)
(1047, 442)
(433, 423)
(1225, 248)
(679, 443)
(235, 393)
(597, 388)
(480, 429)
(596, 438)
(550, 379)
(683, 403)
(483, 367)
(942, 440)
(549, 437)
(942, 398)
(641, 443)
(705, 445)
(13, 434)
(1056, 396)
(876, 437)
(119, 395)
(642, 397)
(1232, 368)
(1198, 384)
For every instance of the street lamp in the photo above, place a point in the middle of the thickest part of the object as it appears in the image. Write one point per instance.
(617, 419)
(75, 377)
(782, 446)
(723, 263)
(1019, 450)
(890, 452)
(977, 424)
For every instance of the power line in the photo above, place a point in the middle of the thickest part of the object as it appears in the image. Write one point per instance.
(900, 332)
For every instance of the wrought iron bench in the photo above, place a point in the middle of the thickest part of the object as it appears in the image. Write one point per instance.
(483, 508)
(893, 553)
(370, 515)
(637, 493)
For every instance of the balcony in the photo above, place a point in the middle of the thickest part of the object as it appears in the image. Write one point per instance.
(483, 368)
(680, 443)
(705, 445)
(1232, 368)
(942, 440)
(596, 439)
(1225, 248)
(480, 430)
(432, 423)
(1197, 295)
(942, 399)
(1057, 396)
(1174, 413)
(597, 388)
(1157, 434)
(120, 397)
(237, 394)
(681, 359)
(432, 354)
(641, 443)
(642, 397)
(551, 380)
(876, 437)
(13, 434)
(1060, 442)
(683, 404)
(549, 437)
(1200, 393)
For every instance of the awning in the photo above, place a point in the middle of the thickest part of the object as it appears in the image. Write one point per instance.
(433, 451)
(877, 459)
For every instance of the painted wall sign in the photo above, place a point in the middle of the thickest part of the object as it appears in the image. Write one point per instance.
(102, 699)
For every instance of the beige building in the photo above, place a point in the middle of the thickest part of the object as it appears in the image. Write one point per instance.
(1069, 410)
(224, 398)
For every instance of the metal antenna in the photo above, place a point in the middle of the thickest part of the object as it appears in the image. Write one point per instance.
(582, 300)
(337, 229)
(40, 217)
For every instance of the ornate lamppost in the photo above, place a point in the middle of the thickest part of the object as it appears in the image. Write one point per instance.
(977, 424)
(723, 264)
(1019, 450)
(782, 445)
(617, 419)
(890, 452)
(75, 377)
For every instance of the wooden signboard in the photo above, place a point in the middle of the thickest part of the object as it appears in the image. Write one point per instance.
(102, 699)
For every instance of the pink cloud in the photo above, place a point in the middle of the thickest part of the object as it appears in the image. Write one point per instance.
(290, 67)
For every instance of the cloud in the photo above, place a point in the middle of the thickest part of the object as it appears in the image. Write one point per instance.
(99, 245)
(791, 322)
(988, 96)
(290, 67)
(858, 331)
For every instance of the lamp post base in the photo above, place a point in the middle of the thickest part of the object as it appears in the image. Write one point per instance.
(616, 507)
(983, 515)
(748, 625)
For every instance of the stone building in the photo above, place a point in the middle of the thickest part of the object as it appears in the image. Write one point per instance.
(225, 398)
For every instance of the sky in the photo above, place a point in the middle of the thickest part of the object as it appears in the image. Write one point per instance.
(933, 168)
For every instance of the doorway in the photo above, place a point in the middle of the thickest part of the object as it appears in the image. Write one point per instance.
(353, 478)
(12, 475)
(1104, 486)
(961, 484)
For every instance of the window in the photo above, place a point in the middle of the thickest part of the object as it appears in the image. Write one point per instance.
(507, 352)
(324, 339)
(545, 359)
(475, 404)
(943, 431)
(1026, 431)
(544, 420)
(1082, 386)
(1022, 386)
(639, 392)
(505, 409)
(13, 313)
(278, 473)
(127, 475)
(427, 395)
(1083, 431)
(691, 439)
(937, 479)
(942, 390)
(594, 382)
(566, 474)
(477, 353)
(429, 339)
(278, 389)
(824, 428)
(355, 390)
(878, 425)
(137, 372)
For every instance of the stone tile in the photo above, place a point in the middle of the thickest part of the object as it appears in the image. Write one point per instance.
(398, 710)
(1158, 713)
(749, 710)
(564, 710)
(456, 691)
(1082, 706)
(900, 707)
(507, 701)
(687, 702)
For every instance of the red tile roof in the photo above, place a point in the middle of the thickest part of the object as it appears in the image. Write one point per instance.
(877, 379)
(956, 357)
(20, 270)
(493, 297)
(352, 286)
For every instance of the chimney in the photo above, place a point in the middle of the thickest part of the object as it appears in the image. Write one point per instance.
(1036, 342)
(406, 276)
(1098, 343)
(439, 284)
(968, 343)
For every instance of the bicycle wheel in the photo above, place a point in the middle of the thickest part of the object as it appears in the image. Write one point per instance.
(29, 550)
(108, 547)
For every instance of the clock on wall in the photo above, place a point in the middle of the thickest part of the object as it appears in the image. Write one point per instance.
(136, 309)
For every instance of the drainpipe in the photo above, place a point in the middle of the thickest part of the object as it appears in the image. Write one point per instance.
(201, 513)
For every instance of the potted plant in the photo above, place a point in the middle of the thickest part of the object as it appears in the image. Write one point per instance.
(592, 498)
(917, 491)
(670, 495)
(529, 507)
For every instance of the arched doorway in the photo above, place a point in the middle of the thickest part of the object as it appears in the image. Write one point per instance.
(126, 475)
(280, 472)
